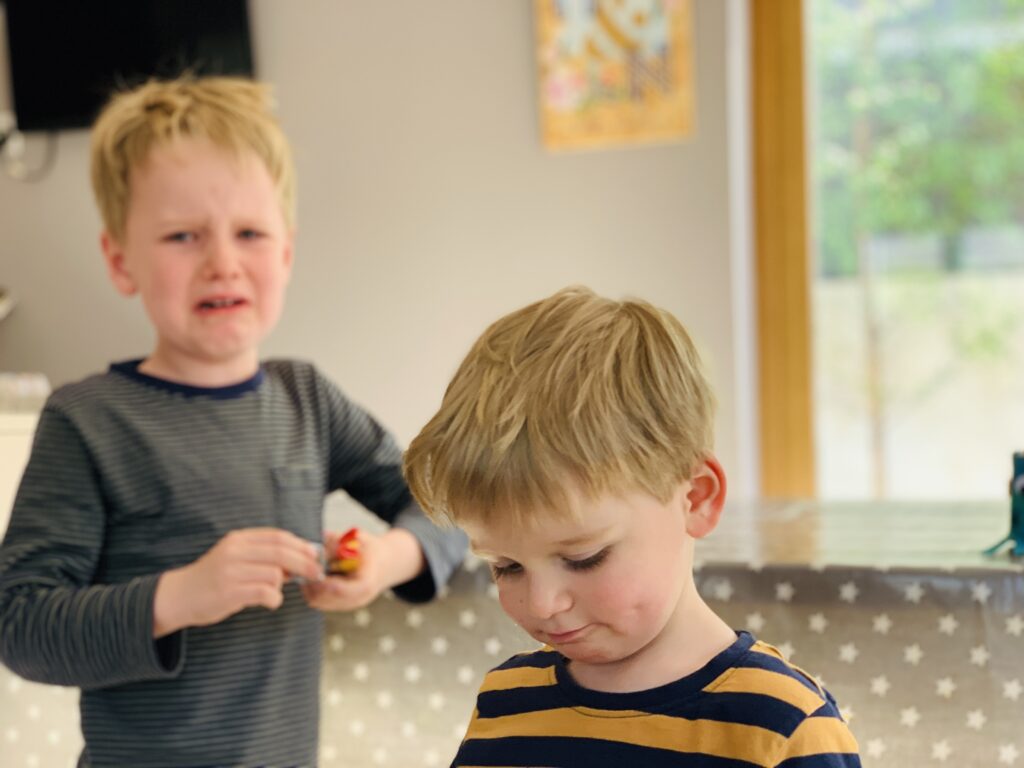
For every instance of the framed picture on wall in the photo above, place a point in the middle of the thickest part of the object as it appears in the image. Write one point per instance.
(614, 72)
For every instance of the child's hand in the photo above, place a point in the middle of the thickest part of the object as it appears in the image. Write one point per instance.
(245, 568)
(384, 561)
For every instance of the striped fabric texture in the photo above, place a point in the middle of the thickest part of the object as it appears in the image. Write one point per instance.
(130, 476)
(747, 707)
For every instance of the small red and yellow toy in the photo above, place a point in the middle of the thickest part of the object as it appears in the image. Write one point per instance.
(345, 557)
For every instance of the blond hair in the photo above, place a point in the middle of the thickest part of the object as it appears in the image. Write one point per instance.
(570, 397)
(232, 112)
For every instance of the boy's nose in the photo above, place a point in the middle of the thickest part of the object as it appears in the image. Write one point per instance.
(221, 258)
(547, 598)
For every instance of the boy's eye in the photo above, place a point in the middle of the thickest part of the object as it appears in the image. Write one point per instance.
(250, 234)
(588, 562)
(505, 569)
(180, 237)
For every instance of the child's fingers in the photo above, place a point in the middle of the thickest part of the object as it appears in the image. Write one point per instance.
(303, 563)
(276, 547)
(256, 593)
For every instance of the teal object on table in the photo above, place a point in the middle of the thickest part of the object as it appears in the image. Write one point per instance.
(1016, 534)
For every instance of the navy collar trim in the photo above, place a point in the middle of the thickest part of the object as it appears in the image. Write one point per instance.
(130, 369)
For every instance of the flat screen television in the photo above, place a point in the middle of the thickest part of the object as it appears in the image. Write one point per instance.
(67, 56)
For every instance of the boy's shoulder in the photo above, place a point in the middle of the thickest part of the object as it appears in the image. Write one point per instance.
(782, 690)
(85, 392)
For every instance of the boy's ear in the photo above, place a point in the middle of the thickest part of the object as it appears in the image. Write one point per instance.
(706, 498)
(117, 268)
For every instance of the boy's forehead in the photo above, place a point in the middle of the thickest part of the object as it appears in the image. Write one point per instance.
(554, 533)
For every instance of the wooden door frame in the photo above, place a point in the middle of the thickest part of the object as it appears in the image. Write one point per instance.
(781, 249)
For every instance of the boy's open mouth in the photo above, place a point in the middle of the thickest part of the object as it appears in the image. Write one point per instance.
(219, 303)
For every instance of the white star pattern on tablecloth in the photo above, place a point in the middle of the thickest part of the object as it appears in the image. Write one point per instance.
(1008, 754)
(387, 644)
(880, 685)
(945, 687)
(723, 590)
(363, 618)
(412, 673)
(980, 656)
(336, 643)
(414, 618)
(439, 646)
(910, 717)
(361, 671)
(914, 593)
(980, 592)
(913, 654)
(948, 624)
(755, 622)
(1012, 689)
(1015, 625)
(976, 719)
(467, 619)
(941, 751)
(875, 748)
(817, 623)
(384, 699)
(881, 624)
(784, 592)
(848, 592)
(786, 649)
(848, 653)
(492, 646)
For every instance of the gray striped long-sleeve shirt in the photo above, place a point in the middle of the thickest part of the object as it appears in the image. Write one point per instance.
(130, 476)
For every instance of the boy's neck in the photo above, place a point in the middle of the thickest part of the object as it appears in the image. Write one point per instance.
(200, 374)
(684, 647)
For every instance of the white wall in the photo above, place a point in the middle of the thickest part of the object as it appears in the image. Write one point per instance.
(427, 208)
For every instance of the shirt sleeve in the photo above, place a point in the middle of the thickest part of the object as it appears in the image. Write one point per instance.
(822, 740)
(56, 625)
(367, 464)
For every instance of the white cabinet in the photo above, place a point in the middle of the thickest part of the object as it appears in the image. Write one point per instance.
(16, 430)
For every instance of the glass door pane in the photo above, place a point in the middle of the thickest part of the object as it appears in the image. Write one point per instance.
(916, 142)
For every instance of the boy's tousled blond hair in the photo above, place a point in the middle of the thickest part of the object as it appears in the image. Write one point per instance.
(232, 112)
(574, 396)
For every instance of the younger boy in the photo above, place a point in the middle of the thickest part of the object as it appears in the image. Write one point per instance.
(168, 502)
(574, 446)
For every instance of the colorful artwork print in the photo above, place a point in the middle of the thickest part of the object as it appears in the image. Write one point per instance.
(614, 72)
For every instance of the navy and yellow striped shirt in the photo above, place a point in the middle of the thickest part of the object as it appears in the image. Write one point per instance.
(747, 707)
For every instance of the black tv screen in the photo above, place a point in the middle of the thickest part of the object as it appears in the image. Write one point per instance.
(67, 56)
